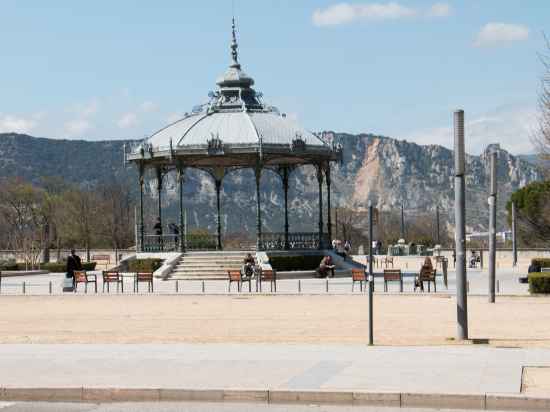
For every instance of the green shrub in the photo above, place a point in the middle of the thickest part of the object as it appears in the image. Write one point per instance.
(289, 263)
(8, 265)
(144, 265)
(200, 241)
(539, 282)
(61, 267)
(542, 262)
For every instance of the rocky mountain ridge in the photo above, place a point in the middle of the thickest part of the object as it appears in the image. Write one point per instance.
(387, 171)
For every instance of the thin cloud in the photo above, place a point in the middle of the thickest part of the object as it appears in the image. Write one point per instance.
(496, 34)
(127, 121)
(16, 124)
(148, 106)
(511, 126)
(346, 13)
(343, 13)
(77, 127)
(440, 10)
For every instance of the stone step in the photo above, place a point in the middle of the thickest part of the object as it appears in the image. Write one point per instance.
(213, 253)
(198, 278)
(210, 262)
(200, 271)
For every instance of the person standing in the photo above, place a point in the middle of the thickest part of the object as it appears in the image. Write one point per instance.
(347, 248)
(73, 263)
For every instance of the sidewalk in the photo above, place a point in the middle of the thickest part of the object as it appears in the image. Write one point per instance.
(333, 370)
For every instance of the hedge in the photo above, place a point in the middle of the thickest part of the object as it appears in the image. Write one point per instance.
(542, 262)
(53, 267)
(289, 263)
(8, 265)
(61, 267)
(144, 265)
(539, 282)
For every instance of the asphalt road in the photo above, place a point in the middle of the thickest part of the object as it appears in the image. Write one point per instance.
(193, 407)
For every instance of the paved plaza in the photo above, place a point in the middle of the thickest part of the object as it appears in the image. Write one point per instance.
(420, 319)
(478, 284)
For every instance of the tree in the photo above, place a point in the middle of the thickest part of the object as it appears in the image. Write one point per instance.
(22, 207)
(80, 218)
(533, 213)
(542, 138)
(116, 217)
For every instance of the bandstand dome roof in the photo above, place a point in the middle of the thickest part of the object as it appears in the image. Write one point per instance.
(232, 127)
(235, 127)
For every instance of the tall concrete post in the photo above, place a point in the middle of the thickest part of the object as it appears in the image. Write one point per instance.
(493, 227)
(460, 226)
(514, 239)
(371, 277)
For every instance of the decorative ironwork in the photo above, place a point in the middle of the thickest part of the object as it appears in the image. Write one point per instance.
(298, 143)
(171, 243)
(296, 241)
(215, 145)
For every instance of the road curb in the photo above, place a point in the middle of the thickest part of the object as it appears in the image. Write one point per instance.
(489, 401)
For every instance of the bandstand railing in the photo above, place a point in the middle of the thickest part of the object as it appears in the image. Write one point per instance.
(296, 240)
(171, 243)
(207, 241)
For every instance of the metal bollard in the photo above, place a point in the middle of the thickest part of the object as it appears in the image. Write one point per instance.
(50, 287)
(327, 285)
(299, 286)
(203, 286)
(498, 286)
(24, 287)
(177, 286)
(468, 286)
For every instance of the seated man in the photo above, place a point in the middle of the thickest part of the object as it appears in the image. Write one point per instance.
(325, 267)
(247, 269)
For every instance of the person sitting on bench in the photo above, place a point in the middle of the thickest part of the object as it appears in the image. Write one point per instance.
(325, 267)
(248, 266)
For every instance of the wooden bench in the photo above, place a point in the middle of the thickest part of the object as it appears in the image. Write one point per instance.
(104, 260)
(393, 275)
(80, 276)
(235, 276)
(425, 275)
(358, 275)
(268, 275)
(112, 277)
(146, 277)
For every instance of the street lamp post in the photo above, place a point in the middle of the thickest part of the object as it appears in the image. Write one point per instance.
(460, 226)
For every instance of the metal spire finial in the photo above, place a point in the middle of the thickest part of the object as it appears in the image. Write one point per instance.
(234, 47)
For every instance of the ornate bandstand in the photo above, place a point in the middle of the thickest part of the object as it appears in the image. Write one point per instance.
(236, 129)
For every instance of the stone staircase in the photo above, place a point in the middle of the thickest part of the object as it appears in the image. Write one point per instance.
(207, 265)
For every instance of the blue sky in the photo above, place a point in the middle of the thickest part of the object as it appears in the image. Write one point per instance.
(123, 69)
